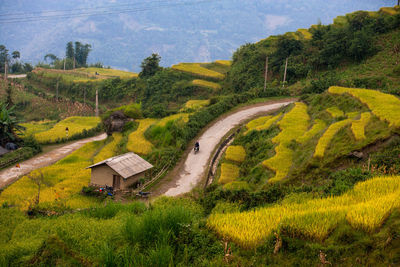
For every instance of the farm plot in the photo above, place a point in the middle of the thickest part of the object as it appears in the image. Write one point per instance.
(196, 69)
(137, 143)
(365, 207)
(384, 106)
(76, 125)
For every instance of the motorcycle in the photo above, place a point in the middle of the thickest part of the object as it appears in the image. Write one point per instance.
(196, 149)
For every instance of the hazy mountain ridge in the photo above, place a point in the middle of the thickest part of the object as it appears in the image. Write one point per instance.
(186, 33)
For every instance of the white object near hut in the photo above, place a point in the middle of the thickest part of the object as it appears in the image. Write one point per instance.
(120, 172)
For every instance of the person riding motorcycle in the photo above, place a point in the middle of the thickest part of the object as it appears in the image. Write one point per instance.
(197, 146)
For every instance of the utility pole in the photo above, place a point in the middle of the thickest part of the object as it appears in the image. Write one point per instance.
(64, 63)
(74, 64)
(97, 103)
(5, 69)
(58, 80)
(84, 96)
(284, 75)
(266, 73)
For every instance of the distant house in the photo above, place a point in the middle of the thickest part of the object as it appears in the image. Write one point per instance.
(120, 172)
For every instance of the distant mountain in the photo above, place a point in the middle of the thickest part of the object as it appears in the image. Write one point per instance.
(178, 30)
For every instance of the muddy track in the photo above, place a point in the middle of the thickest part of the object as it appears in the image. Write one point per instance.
(193, 167)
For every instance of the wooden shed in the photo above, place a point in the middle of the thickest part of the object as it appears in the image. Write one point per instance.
(120, 172)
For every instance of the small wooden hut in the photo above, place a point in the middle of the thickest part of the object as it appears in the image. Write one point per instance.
(120, 172)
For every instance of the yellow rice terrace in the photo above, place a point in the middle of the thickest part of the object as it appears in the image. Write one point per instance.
(67, 128)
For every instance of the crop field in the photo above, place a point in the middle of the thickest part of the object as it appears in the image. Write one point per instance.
(225, 63)
(62, 182)
(206, 84)
(358, 126)
(109, 72)
(389, 10)
(384, 106)
(34, 127)
(335, 112)
(237, 185)
(229, 173)
(76, 125)
(195, 104)
(164, 121)
(293, 124)
(262, 123)
(137, 143)
(317, 127)
(109, 150)
(196, 69)
(365, 207)
(326, 138)
(235, 153)
(306, 34)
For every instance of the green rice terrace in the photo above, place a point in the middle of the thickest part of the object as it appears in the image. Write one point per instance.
(309, 175)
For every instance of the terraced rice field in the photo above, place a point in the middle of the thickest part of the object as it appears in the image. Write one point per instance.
(326, 138)
(196, 69)
(195, 104)
(109, 72)
(62, 183)
(262, 123)
(235, 153)
(358, 126)
(164, 121)
(109, 150)
(206, 84)
(293, 124)
(364, 207)
(317, 127)
(137, 143)
(229, 173)
(32, 128)
(225, 63)
(384, 106)
(306, 34)
(76, 125)
(335, 112)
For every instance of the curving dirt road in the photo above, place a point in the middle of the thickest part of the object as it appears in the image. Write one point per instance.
(195, 165)
(12, 173)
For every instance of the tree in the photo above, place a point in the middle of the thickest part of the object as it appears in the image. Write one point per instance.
(52, 58)
(9, 125)
(4, 57)
(16, 55)
(37, 178)
(70, 53)
(150, 66)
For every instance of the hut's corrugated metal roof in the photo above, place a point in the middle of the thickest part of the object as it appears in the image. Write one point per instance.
(126, 165)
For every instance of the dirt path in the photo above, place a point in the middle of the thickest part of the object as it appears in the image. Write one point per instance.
(10, 174)
(192, 170)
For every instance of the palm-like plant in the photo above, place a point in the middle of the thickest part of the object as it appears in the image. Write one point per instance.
(9, 125)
